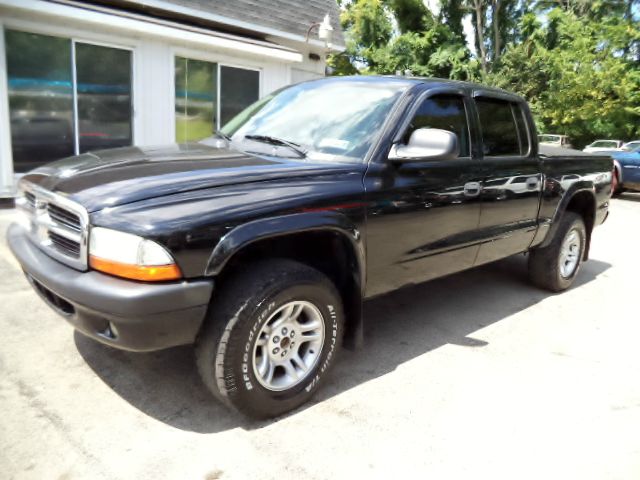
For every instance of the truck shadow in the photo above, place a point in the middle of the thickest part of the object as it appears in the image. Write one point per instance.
(398, 327)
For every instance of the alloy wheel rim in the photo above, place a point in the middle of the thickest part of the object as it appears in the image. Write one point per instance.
(570, 253)
(288, 345)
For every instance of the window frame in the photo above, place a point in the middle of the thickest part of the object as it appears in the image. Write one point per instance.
(426, 93)
(219, 86)
(513, 102)
(220, 61)
(74, 73)
(74, 38)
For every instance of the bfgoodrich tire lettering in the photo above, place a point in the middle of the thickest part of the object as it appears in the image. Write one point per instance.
(226, 346)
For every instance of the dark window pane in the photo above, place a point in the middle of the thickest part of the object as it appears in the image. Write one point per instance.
(445, 112)
(195, 103)
(239, 89)
(499, 133)
(103, 78)
(40, 98)
(522, 128)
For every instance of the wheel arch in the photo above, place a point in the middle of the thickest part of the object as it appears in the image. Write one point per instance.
(581, 201)
(327, 241)
(617, 168)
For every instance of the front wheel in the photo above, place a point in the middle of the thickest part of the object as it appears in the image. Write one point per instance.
(271, 337)
(555, 266)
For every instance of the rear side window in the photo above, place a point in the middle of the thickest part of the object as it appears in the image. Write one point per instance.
(445, 112)
(504, 130)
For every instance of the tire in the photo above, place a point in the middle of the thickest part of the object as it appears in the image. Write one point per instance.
(231, 350)
(549, 266)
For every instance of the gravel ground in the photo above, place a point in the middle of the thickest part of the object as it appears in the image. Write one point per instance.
(474, 375)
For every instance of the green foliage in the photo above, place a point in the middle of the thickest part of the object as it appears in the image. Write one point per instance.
(578, 75)
(368, 27)
(451, 13)
(576, 61)
(411, 15)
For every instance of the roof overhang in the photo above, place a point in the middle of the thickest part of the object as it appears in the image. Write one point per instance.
(101, 17)
(186, 11)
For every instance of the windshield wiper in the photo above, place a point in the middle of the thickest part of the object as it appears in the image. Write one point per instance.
(278, 141)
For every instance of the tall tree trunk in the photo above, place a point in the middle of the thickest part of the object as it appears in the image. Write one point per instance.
(495, 20)
(479, 27)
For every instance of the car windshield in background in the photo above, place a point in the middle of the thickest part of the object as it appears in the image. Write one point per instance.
(331, 120)
(604, 144)
(631, 147)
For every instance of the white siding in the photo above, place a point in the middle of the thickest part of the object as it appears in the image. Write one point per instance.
(153, 94)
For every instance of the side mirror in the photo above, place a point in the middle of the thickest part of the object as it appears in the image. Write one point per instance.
(427, 144)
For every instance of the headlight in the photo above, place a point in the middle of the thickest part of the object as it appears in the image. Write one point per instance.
(130, 256)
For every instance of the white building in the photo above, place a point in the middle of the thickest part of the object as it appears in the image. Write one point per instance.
(81, 75)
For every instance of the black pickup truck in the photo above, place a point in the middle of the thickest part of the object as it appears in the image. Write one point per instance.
(259, 244)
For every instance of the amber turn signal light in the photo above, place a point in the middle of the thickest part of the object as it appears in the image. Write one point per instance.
(144, 273)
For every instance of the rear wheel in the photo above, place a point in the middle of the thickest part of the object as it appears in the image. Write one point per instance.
(271, 337)
(555, 266)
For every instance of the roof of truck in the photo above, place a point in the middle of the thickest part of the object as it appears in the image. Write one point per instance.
(435, 83)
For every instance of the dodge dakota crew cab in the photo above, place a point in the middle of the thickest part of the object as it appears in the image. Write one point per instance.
(259, 244)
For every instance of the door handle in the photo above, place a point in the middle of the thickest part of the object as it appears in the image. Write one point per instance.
(532, 182)
(472, 189)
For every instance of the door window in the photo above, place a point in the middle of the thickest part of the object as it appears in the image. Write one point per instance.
(44, 96)
(445, 112)
(504, 131)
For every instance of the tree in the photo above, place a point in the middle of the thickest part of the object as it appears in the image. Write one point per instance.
(576, 75)
(577, 62)
(452, 13)
(422, 43)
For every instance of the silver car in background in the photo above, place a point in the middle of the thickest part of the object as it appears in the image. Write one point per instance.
(554, 140)
(603, 146)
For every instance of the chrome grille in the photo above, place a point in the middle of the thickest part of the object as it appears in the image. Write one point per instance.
(30, 198)
(64, 217)
(65, 245)
(56, 224)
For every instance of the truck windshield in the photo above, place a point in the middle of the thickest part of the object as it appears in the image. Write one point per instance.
(331, 119)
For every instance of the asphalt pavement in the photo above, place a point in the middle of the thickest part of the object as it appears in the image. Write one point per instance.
(476, 375)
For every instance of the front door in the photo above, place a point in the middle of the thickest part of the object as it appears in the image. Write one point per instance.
(423, 215)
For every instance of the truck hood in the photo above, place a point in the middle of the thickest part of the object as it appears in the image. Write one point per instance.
(114, 177)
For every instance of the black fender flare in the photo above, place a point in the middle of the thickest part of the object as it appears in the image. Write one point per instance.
(575, 189)
(254, 231)
(617, 169)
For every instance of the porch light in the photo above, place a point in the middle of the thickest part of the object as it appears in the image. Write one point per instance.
(325, 31)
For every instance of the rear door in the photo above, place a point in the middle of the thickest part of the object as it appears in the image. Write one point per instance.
(512, 183)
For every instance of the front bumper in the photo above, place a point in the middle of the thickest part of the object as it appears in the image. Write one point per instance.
(121, 313)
